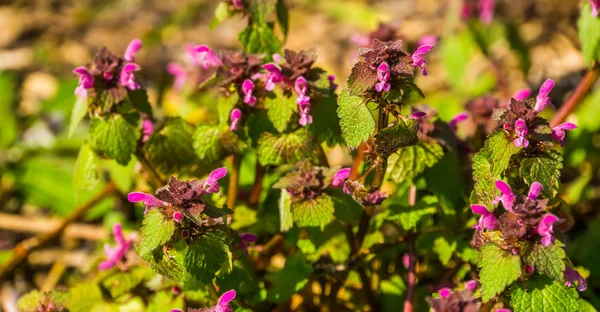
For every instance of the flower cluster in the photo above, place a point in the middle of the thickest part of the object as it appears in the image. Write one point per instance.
(200, 64)
(221, 306)
(116, 254)
(457, 301)
(309, 182)
(109, 73)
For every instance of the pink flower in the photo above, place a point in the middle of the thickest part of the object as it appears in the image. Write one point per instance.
(86, 81)
(445, 292)
(486, 221)
(418, 60)
(148, 200)
(223, 303)
(542, 99)
(521, 131)
(305, 118)
(134, 46)
(208, 58)
(177, 216)
(417, 115)
(534, 190)
(301, 87)
(273, 76)
(503, 310)
(340, 176)
(545, 229)
(595, 7)
(507, 198)
(211, 184)
(529, 269)
(486, 11)
(277, 58)
(471, 285)
(573, 276)
(179, 74)
(558, 132)
(383, 74)
(360, 40)
(428, 40)
(460, 117)
(375, 198)
(235, 117)
(332, 83)
(248, 89)
(238, 4)
(127, 79)
(115, 254)
(147, 128)
(522, 94)
(406, 260)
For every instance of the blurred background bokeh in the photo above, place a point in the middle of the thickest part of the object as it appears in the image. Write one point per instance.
(41, 41)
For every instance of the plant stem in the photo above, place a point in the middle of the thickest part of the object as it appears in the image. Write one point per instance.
(153, 175)
(234, 181)
(23, 249)
(360, 155)
(258, 184)
(584, 85)
(412, 256)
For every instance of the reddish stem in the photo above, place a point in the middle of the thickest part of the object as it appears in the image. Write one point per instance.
(584, 85)
(412, 256)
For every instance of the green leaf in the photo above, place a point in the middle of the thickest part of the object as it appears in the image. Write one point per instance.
(221, 14)
(169, 263)
(499, 269)
(548, 260)
(484, 188)
(408, 217)
(157, 230)
(122, 282)
(84, 297)
(139, 100)
(280, 109)
(289, 280)
(8, 126)
(205, 256)
(213, 143)
(224, 106)
(402, 134)
(361, 79)
(115, 137)
(165, 301)
(356, 120)
(258, 124)
(585, 306)
(346, 208)
(500, 148)
(411, 161)
(444, 249)
(283, 17)
(29, 301)
(259, 39)
(85, 174)
(589, 34)
(543, 294)
(284, 148)
(313, 212)
(326, 123)
(451, 189)
(169, 149)
(544, 168)
(79, 111)
(285, 211)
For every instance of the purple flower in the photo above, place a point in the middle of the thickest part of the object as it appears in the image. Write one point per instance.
(177, 216)
(445, 292)
(573, 276)
(507, 198)
(273, 76)
(211, 184)
(179, 74)
(383, 74)
(235, 117)
(115, 254)
(277, 58)
(375, 198)
(127, 79)
(487, 220)
(332, 83)
(208, 58)
(340, 176)
(305, 118)
(595, 6)
(545, 229)
(147, 128)
(86, 81)
(248, 89)
(534, 191)
(238, 4)
(223, 303)
(558, 132)
(148, 200)
(522, 94)
(134, 46)
(471, 285)
(301, 86)
(460, 117)
(418, 60)
(486, 11)
(521, 131)
(417, 115)
(542, 99)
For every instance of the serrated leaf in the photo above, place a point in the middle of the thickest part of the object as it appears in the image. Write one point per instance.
(484, 189)
(205, 256)
(402, 134)
(284, 148)
(79, 111)
(500, 149)
(545, 169)
(543, 294)
(313, 212)
(499, 269)
(85, 174)
(411, 161)
(29, 301)
(362, 79)
(285, 211)
(356, 120)
(549, 260)
(260, 38)
(157, 230)
(280, 109)
(589, 34)
(139, 100)
(224, 106)
(84, 297)
(213, 143)
(289, 280)
(115, 137)
(122, 282)
(169, 263)
(326, 123)
(444, 249)
(169, 149)
(408, 217)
